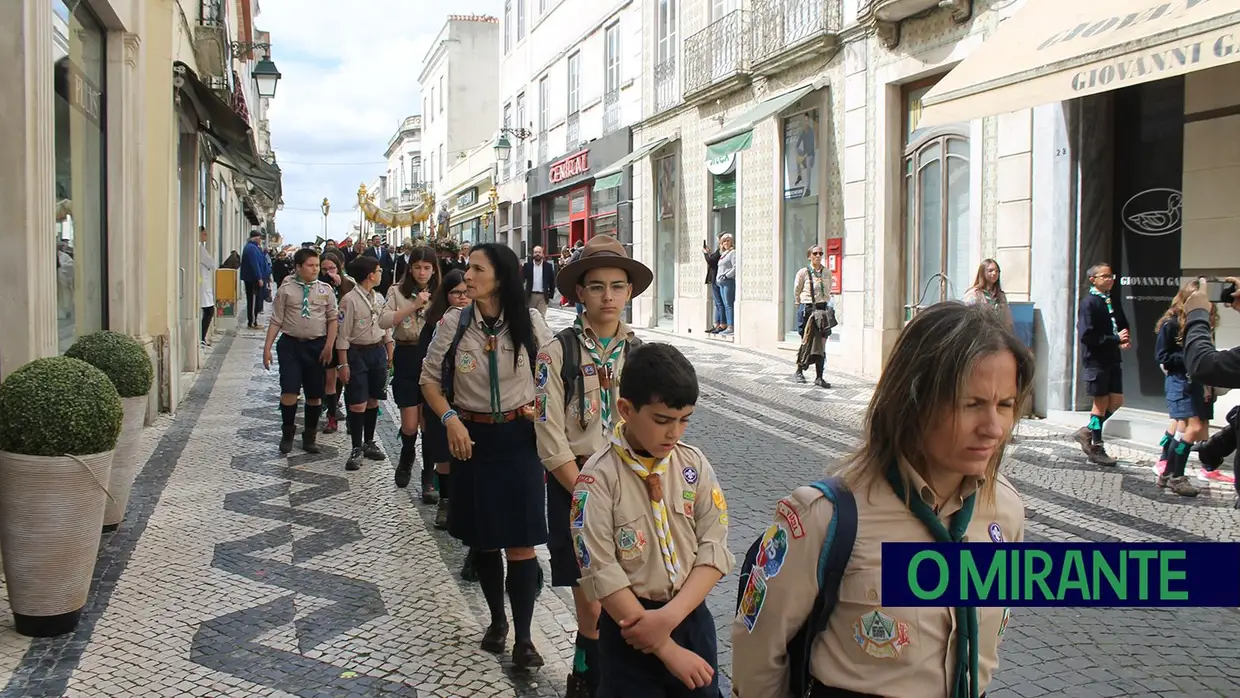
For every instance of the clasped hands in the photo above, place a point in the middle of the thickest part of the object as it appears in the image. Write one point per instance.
(651, 633)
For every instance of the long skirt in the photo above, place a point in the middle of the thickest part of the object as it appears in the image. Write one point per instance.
(498, 498)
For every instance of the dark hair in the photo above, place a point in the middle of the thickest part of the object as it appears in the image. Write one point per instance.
(303, 255)
(362, 266)
(510, 294)
(408, 286)
(1093, 271)
(439, 301)
(658, 372)
(254, 233)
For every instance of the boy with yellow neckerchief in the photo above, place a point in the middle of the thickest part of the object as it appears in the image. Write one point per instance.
(650, 529)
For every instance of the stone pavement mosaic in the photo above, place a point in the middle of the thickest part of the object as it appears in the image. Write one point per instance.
(239, 572)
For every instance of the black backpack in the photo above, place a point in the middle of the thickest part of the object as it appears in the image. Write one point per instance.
(832, 561)
(570, 368)
(447, 369)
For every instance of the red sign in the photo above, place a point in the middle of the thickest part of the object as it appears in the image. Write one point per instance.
(835, 262)
(569, 167)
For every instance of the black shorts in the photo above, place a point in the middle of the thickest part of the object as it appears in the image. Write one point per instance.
(367, 375)
(300, 368)
(1101, 381)
(564, 569)
(627, 673)
(406, 372)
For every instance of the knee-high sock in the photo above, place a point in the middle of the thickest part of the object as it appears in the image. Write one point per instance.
(489, 567)
(585, 661)
(408, 442)
(1095, 428)
(372, 419)
(522, 592)
(312, 419)
(1179, 456)
(288, 415)
(445, 482)
(356, 420)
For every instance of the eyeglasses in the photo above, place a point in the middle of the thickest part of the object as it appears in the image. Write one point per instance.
(815, 254)
(457, 294)
(597, 290)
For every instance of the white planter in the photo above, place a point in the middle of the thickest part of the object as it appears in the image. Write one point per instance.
(51, 519)
(125, 464)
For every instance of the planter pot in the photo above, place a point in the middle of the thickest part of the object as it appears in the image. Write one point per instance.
(125, 465)
(51, 514)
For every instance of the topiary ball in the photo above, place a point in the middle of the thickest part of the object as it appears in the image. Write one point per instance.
(120, 357)
(59, 406)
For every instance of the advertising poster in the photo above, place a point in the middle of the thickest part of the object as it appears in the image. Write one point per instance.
(801, 155)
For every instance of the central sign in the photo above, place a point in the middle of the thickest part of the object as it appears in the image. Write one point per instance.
(569, 167)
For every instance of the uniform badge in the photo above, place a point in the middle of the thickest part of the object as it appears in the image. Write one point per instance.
(688, 507)
(720, 503)
(690, 474)
(341, 317)
(540, 407)
(1007, 615)
(688, 495)
(772, 550)
(465, 362)
(880, 635)
(723, 519)
(584, 479)
(577, 513)
(592, 407)
(542, 375)
(752, 601)
(544, 358)
(588, 370)
(583, 553)
(785, 511)
(630, 542)
(521, 359)
(996, 533)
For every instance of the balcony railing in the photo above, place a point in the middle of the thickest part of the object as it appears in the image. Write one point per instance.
(211, 13)
(666, 92)
(776, 26)
(544, 149)
(611, 110)
(211, 43)
(573, 127)
(716, 53)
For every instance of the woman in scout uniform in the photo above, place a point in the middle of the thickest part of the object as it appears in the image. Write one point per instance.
(450, 294)
(304, 315)
(650, 529)
(361, 346)
(402, 313)
(331, 272)
(603, 279)
(497, 501)
(917, 480)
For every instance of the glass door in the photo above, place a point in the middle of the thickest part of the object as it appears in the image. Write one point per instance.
(665, 240)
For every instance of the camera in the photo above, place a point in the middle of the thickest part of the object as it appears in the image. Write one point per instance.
(1220, 291)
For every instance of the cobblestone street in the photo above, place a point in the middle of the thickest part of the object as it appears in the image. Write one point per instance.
(238, 572)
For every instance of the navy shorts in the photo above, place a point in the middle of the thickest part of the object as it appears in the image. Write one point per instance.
(627, 673)
(300, 367)
(367, 375)
(564, 569)
(1186, 399)
(1101, 381)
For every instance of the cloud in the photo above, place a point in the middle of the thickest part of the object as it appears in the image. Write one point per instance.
(350, 75)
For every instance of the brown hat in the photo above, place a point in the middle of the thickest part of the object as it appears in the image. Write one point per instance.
(602, 251)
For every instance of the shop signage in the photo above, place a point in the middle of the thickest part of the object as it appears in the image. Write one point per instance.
(467, 198)
(1204, 51)
(84, 96)
(1118, 23)
(1153, 212)
(569, 167)
(721, 166)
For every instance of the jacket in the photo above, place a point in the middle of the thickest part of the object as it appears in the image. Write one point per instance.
(1100, 345)
(1205, 363)
(548, 280)
(1167, 349)
(712, 265)
(254, 263)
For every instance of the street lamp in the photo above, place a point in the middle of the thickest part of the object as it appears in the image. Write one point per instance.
(502, 147)
(265, 78)
(326, 208)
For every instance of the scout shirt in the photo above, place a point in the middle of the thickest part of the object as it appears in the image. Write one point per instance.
(287, 309)
(359, 319)
(867, 647)
(613, 525)
(409, 329)
(472, 379)
(561, 438)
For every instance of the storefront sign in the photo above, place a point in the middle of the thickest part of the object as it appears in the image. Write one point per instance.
(467, 198)
(722, 166)
(569, 167)
(1118, 23)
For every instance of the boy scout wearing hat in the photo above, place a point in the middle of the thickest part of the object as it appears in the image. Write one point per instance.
(362, 349)
(604, 278)
(650, 530)
(304, 315)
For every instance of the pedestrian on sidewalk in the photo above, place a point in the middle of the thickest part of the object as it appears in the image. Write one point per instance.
(206, 283)
(255, 270)
(478, 377)
(304, 315)
(1103, 331)
(450, 294)
(716, 294)
(815, 318)
(1203, 360)
(362, 350)
(726, 280)
(578, 382)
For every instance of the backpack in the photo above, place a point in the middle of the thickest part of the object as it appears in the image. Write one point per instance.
(570, 367)
(447, 369)
(832, 561)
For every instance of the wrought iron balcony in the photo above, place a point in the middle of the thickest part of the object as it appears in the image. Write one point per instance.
(666, 89)
(572, 127)
(717, 58)
(211, 39)
(544, 149)
(786, 32)
(611, 110)
(886, 15)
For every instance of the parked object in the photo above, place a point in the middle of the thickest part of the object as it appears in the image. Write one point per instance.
(60, 419)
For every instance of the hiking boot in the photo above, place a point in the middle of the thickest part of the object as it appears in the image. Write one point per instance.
(355, 460)
(524, 656)
(468, 574)
(821, 383)
(1098, 455)
(404, 472)
(577, 687)
(441, 515)
(309, 443)
(494, 638)
(371, 450)
(429, 494)
(1083, 438)
(332, 425)
(799, 376)
(286, 445)
(1181, 486)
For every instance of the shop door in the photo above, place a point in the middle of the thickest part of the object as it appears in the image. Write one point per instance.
(578, 215)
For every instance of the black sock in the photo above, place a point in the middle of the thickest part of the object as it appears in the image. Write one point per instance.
(819, 363)
(489, 567)
(408, 444)
(1179, 458)
(522, 591)
(312, 419)
(329, 402)
(288, 415)
(585, 661)
(356, 420)
(371, 419)
(444, 480)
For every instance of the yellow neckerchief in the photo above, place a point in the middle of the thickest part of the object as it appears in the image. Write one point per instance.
(651, 473)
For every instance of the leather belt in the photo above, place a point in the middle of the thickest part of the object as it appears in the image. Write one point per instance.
(305, 339)
(364, 347)
(487, 417)
(406, 342)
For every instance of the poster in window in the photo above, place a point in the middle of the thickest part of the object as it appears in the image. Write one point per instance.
(667, 188)
(801, 155)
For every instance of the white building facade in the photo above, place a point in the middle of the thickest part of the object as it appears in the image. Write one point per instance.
(403, 184)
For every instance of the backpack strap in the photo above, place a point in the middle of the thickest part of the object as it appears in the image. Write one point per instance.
(447, 375)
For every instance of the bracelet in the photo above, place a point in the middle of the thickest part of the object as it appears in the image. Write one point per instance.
(446, 416)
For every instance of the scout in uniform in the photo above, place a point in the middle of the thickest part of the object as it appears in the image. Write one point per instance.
(331, 272)
(650, 529)
(569, 431)
(1103, 331)
(953, 492)
(361, 348)
(304, 316)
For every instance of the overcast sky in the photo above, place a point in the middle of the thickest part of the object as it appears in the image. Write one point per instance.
(349, 77)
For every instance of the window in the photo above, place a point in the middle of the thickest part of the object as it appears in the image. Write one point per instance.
(441, 94)
(720, 8)
(424, 109)
(666, 30)
(507, 124)
(441, 161)
(521, 121)
(507, 26)
(520, 20)
(574, 83)
(611, 60)
(432, 103)
(543, 106)
(801, 204)
(542, 7)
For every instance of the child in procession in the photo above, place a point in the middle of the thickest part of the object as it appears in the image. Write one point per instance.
(361, 347)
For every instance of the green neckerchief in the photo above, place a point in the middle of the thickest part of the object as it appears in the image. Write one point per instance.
(1110, 308)
(605, 394)
(492, 330)
(305, 295)
(966, 616)
(991, 298)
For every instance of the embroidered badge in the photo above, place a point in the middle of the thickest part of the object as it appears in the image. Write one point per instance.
(574, 409)
(688, 509)
(752, 600)
(720, 503)
(521, 359)
(688, 495)
(996, 533)
(785, 511)
(544, 358)
(880, 635)
(631, 542)
(585, 479)
(772, 550)
(583, 553)
(540, 407)
(690, 474)
(577, 513)
(592, 407)
(543, 374)
(1007, 615)
(723, 519)
(588, 370)
(341, 318)
(465, 362)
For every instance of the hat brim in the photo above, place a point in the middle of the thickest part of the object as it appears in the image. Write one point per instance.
(570, 274)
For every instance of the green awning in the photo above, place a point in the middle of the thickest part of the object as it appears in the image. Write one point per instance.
(737, 134)
(609, 177)
(606, 182)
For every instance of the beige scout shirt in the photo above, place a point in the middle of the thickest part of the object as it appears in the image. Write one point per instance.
(359, 319)
(407, 330)
(821, 290)
(916, 657)
(561, 437)
(613, 527)
(472, 380)
(286, 310)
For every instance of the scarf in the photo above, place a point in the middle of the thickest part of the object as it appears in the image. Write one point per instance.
(966, 617)
(651, 473)
(492, 329)
(606, 369)
(991, 299)
(1110, 308)
(305, 295)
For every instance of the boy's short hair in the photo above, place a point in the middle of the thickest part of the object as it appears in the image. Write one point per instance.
(657, 372)
(304, 254)
(362, 266)
(1093, 271)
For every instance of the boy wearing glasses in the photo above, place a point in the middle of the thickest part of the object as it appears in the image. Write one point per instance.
(1103, 331)
(577, 381)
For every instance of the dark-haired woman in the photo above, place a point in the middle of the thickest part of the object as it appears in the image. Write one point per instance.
(498, 500)
(450, 294)
(402, 313)
(331, 272)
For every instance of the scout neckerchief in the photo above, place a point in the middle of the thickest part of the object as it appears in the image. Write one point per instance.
(992, 299)
(1110, 308)
(651, 473)
(305, 295)
(491, 328)
(368, 296)
(605, 369)
(965, 685)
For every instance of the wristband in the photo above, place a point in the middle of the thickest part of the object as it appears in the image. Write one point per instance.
(446, 416)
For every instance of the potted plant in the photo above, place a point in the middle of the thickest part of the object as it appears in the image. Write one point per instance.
(59, 421)
(123, 360)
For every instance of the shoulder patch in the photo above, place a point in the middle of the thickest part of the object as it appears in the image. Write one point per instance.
(785, 511)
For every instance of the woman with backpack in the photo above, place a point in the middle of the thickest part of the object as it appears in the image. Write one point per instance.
(929, 479)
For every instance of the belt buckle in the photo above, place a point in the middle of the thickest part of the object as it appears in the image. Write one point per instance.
(499, 418)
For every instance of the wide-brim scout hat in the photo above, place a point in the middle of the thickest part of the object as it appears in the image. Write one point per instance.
(602, 251)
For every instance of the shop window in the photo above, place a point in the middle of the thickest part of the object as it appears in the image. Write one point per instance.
(604, 218)
(936, 211)
(801, 206)
(665, 238)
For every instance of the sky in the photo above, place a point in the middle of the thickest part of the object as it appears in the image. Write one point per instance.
(349, 78)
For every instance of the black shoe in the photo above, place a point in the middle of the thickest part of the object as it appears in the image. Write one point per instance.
(308, 443)
(798, 377)
(403, 473)
(524, 656)
(468, 573)
(821, 383)
(371, 450)
(577, 687)
(286, 445)
(429, 495)
(495, 637)
(355, 460)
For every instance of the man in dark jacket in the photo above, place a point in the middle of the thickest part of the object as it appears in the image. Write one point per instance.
(386, 262)
(716, 294)
(255, 272)
(539, 276)
(1205, 363)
